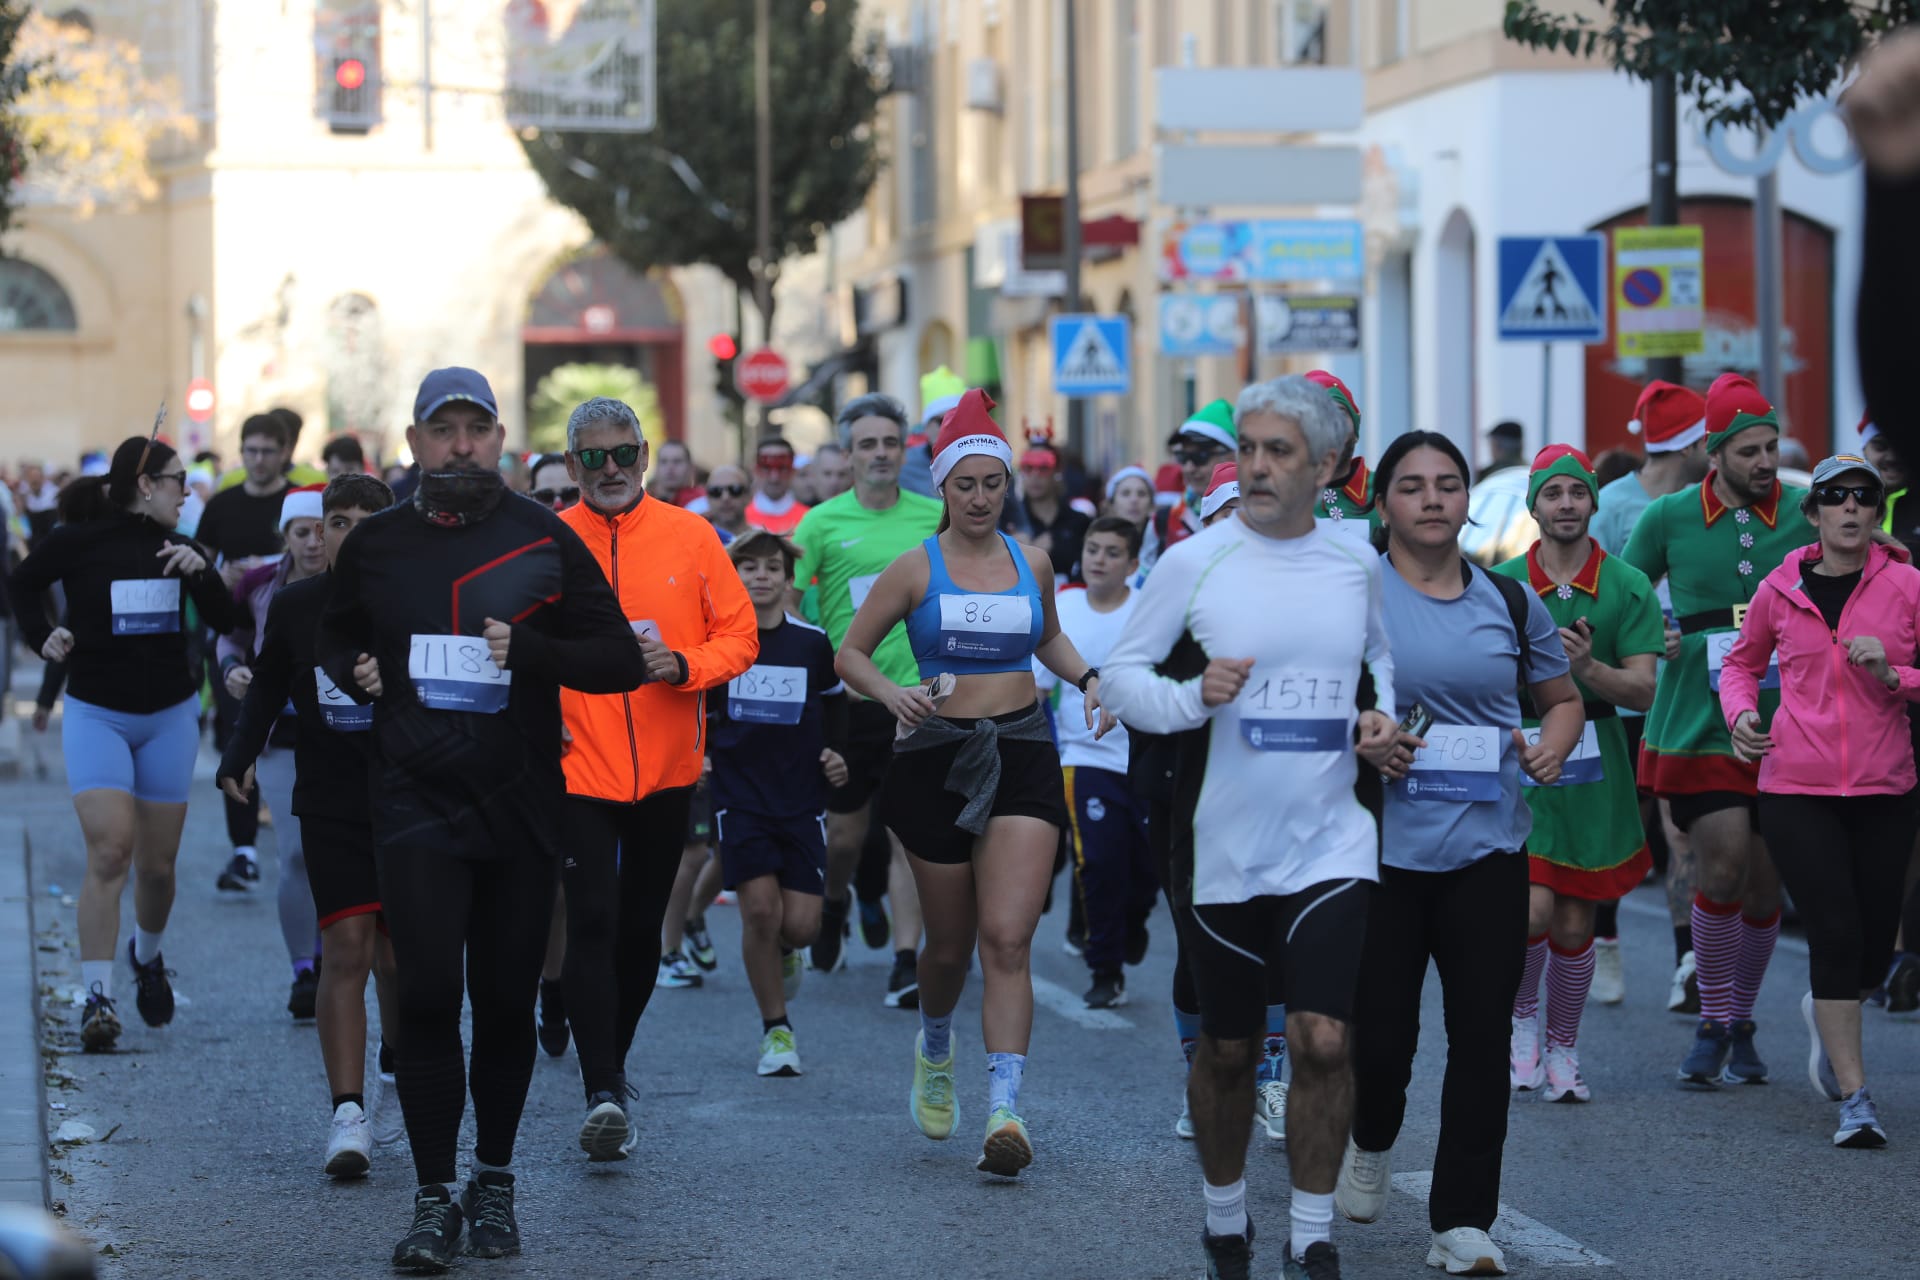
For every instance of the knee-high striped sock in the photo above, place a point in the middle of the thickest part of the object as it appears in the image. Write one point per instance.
(1526, 1001)
(1569, 974)
(1750, 969)
(1716, 954)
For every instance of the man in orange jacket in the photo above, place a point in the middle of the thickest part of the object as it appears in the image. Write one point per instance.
(633, 758)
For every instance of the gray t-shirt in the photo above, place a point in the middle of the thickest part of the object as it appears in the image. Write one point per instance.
(1460, 658)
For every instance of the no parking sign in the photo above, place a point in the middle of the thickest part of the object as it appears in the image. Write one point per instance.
(1659, 291)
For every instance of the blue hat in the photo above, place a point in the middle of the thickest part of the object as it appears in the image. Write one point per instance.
(443, 386)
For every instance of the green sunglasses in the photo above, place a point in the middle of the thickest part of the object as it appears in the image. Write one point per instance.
(624, 455)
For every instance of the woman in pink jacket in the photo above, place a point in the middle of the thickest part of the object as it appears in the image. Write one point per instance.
(1836, 764)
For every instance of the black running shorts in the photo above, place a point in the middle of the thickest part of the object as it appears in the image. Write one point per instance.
(1312, 938)
(340, 868)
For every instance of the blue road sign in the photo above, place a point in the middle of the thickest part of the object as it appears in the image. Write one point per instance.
(1092, 355)
(1552, 290)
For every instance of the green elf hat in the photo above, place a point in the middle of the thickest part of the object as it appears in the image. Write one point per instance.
(1733, 405)
(1214, 423)
(1560, 460)
(1337, 392)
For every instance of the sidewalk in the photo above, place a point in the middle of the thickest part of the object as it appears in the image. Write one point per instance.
(23, 1101)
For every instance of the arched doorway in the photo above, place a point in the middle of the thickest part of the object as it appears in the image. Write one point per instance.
(594, 309)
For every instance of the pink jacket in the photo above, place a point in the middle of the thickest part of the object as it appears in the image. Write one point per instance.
(1839, 731)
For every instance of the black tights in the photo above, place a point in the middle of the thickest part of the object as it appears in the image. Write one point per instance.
(619, 869)
(1844, 860)
(478, 927)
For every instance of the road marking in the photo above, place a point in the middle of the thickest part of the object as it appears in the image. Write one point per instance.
(1786, 943)
(1516, 1232)
(1074, 1009)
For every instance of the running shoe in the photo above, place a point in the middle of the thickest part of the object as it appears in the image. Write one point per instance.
(677, 971)
(304, 995)
(1525, 1070)
(434, 1240)
(1744, 1066)
(1819, 1065)
(903, 984)
(1270, 1107)
(1708, 1057)
(1183, 1127)
(1903, 983)
(1137, 940)
(1229, 1257)
(349, 1142)
(1109, 990)
(604, 1133)
(875, 929)
(1609, 984)
(99, 1024)
(1562, 1071)
(1321, 1262)
(241, 876)
(1365, 1179)
(488, 1205)
(389, 1125)
(699, 945)
(1859, 1123)
(931, 1102)
(829, 949)
(153, 989)
(793, 968)
(1466, 1251)
(1007, 1149)
(1684, 995)
(778, 1057)
(553, 1018)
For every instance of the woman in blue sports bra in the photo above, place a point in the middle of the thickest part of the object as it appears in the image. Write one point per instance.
(974, 792)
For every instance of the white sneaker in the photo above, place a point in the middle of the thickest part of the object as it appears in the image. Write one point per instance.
(350, 1144)
(1270, 1108)
(1466, 1251)
(1564, 1081)
(1684, 996)
(1183, 1127)
(605, 1131)
(389, 1125)
(1524, 1068)
(793, 968)
(778, 1055)
(1609, 984)
(1365, 1179)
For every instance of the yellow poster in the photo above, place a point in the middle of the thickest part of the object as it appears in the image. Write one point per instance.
(1659, 291)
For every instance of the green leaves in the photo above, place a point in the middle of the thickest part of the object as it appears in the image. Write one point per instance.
(13, 82)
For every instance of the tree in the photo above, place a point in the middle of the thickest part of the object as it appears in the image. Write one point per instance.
(1743, 62)
(13, 81)
(570, 384)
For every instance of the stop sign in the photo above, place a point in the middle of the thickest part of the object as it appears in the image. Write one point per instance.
(761, 375)
(199, 400)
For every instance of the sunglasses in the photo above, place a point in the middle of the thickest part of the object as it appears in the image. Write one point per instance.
(1834, 495)
(726, 491)
(776, 462)
(565, 497)
(624, 455)
(1194, 457)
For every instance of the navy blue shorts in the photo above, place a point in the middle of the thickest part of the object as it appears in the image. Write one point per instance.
(793, 850)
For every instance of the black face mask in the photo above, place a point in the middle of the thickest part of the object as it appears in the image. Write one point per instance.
(458, 497)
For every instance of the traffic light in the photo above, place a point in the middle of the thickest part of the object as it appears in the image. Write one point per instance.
(346, 42)
(724, 351)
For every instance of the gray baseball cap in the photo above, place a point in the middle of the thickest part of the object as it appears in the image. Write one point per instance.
(1841, 463)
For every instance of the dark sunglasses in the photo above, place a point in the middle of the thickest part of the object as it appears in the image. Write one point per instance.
(774, 462)
(565, 497)
(1194, 457)
(726, 490)
(624, 455)
(1835, 495)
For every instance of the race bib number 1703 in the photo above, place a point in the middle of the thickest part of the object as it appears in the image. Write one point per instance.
(1460, 764)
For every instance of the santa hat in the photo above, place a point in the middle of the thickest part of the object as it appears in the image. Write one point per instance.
(300, 504)
(1560, 460)
(1214, 423)
(1168, 484)
(1132, 470)
(1223, 488)
(1734, 404)
(968, 430)
(1337, 392)
(1868, 428)
(1668, 417)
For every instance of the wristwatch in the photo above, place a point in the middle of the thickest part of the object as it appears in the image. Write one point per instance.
(1085, 678)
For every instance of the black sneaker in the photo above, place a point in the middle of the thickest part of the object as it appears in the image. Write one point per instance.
(491, 1229)
(1229, 1257)
(553, 1018)
(1903, 983)
(875, 929)
(903, 984)
(153, 994)
(434, 1240)
(304, 995)
(829, 948)
(1137, 939)
(1109, 990)
(1320, 1262)
(99, 1024)
(699, 946)
(241, 876)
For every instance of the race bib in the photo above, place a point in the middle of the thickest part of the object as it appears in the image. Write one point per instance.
(645, 627)
(145, 606)
(1460, 764)
(1298, 711)
(858, 588)
(767, 695)
(1719, 645)
(1582, 767)
(341, 713)
(1355, 527)
(988, 627)
(456, 673)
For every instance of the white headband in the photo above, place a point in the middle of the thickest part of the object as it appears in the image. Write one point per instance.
(1218, 498)
(984, 443)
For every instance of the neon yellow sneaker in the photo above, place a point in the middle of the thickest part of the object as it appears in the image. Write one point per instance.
(932, 1104)
(1007, 1149)
(778, 1057)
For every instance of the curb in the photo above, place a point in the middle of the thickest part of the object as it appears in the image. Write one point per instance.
(23, 1088)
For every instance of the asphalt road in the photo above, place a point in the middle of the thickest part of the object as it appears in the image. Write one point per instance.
(209, 1133)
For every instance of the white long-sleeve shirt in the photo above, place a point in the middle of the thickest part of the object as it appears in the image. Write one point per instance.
(1274, 811)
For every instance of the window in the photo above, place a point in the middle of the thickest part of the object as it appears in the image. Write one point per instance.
(32, 300)
(346, 45)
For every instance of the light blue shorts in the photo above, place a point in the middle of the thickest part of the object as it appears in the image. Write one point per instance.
(150, 756)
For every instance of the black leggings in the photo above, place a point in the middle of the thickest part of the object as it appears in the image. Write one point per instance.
(1186, 998)
(1844, 860)
(478, 927)
(619, 869)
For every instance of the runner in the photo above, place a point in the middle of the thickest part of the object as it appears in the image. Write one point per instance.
(1715, 542)
(634, 757)
(132, 721)
(459, 615)
(327, 801)
(1130, 497)
(788, 709)
(725, 503)
(1587, 846)
(845, 544)
(1199, 444)
(974, 791)
(774, 508)
(1842, 616)
(1350, 495)
(1222, 498)
(1268, 873)
(554, 489)
(1044, 515)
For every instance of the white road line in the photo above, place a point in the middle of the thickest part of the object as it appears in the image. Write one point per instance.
(1071, 1007)
(1516, 1232)
(1639, 907)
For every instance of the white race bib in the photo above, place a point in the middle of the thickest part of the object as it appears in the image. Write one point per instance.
(341, 713)
(989, 627)
(1352, 526)
(456, 673)
(645, 627)
(1719, 645)
(1459, 764)
(767, 695)
(145, 606)
(859, 588)
(1582, 767)
(1301, 710)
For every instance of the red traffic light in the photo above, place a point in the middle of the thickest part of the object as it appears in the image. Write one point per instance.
(350, 73)
(722, 346)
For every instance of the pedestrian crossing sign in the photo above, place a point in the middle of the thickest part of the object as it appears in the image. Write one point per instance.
(1092, 355)
(1550, 288)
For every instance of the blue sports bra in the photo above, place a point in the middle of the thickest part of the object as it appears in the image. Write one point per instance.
(975, 633)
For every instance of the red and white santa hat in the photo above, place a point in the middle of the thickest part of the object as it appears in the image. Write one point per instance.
(1868, 428)
(1222, 488)
(1669, 417)
(1168, 485)
(969, 429)
(300, 504)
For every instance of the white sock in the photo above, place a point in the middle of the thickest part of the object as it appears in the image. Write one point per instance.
(97, 973)
(1226, 1209)
(1312, 1220)
(248, 852)
(146, 945)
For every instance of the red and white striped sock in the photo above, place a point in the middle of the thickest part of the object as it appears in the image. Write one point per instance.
(1716, 955)
(1756, 951)
(1569, 974)
(1526, 1001)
